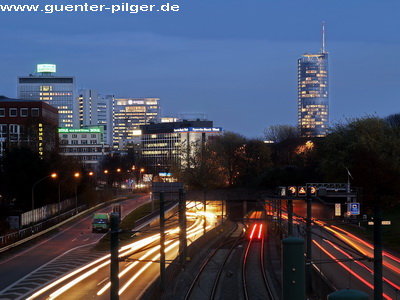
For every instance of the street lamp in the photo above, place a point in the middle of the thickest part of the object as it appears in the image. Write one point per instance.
(76, 175)
(53, 175)
(141, 174)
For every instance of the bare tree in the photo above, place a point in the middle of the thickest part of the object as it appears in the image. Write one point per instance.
(279, 133)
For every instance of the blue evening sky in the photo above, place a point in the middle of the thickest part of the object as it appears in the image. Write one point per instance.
(235, 61)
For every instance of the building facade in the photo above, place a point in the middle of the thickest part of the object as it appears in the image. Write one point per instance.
(28, 123)
(313, 94)
(84, 144)
(167, 144)
(128, 115)
(58, 91)
(95, 110)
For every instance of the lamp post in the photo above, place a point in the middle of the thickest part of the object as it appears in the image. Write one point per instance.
(141, 174)
(76, 175)
(53, 175)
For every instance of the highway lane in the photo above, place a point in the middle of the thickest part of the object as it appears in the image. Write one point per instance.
(340, 252)
(335, 251)
(71, 236)
(137, 271)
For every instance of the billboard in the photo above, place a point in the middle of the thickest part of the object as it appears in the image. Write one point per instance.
(46, 68)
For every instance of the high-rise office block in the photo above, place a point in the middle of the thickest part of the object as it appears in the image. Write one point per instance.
(95, 110)
(173, 143)
(128, 115)
(58, 91)
(313, 98)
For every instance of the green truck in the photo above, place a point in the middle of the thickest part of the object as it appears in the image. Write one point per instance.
(101, 222)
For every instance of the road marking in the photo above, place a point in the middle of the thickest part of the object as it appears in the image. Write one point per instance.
(74, 239)
(86, 239)
(101, 282)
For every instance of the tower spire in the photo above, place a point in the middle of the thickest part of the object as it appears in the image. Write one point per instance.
(323, 37)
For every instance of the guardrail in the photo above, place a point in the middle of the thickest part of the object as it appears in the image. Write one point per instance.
(153, 216)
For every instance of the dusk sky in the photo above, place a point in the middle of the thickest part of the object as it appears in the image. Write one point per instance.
(235, 61)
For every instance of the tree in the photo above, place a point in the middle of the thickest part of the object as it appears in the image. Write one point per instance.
(256, 161)
(370, 149)
(200, 168)
(229, 150)
(279, 133)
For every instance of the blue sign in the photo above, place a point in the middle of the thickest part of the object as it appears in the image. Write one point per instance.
(354, 208)
(199, 129)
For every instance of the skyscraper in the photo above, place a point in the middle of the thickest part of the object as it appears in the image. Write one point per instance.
(128, 115)
(313, 98)
(58, 91)
(95, 110)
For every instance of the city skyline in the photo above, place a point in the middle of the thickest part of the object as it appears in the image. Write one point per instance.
(234, 62)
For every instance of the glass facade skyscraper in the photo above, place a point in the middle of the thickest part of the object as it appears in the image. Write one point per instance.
(313, 96)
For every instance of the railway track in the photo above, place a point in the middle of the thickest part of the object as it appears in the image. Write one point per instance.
(255, 281)
(205, 284)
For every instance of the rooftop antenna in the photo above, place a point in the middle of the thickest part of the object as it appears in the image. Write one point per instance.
(323, 37)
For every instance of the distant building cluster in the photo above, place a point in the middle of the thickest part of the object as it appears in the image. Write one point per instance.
(51, 114)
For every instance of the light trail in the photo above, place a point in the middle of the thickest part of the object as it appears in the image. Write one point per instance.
(397, 287)
(348, 269)
(260, 231)
(123, 252)
(252, 231)
(388, 255)
(155, 258)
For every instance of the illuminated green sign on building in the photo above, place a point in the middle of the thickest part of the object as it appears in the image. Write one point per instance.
(46, 68)
(81, 130)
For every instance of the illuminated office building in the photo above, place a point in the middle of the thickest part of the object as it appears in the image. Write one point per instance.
(173, 143)
(84, 144)
(128, 115)
(58, 91)
(313, 97)
(95, 110)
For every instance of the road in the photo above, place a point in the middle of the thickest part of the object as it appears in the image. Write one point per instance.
(341, 256)
(138, 268)
(17, 271)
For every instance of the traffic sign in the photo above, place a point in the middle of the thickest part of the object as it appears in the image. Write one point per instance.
(292, 191)
(313, 190)
(354, 208)
(282, 190)
(302, 192)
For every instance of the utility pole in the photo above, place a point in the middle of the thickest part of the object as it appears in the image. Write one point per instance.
(162, 243)
(204, 211)
(309, 243)
(114, 266)
(378, 253)
(182, 228)
(290, 216)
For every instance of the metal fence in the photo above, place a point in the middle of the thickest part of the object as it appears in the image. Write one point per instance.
(27, 232)
(45, 212)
